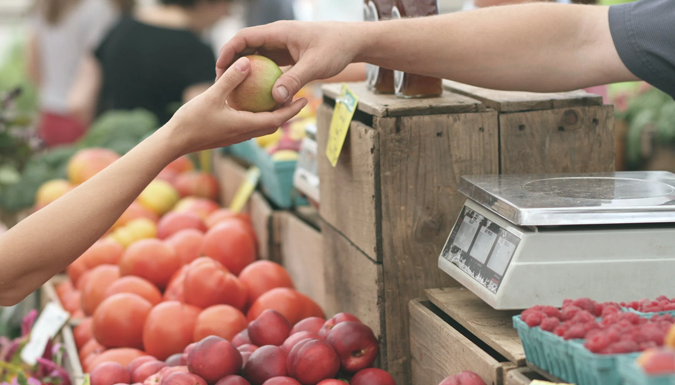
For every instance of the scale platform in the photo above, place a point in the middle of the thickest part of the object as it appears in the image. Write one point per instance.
(525, 240)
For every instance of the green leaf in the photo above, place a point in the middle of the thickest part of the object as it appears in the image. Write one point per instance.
(21, 378)
(9, 175)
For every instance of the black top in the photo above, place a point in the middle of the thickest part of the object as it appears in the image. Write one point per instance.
(149, 67)
(644, 36)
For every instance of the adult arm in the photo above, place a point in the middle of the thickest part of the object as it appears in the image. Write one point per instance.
(46, 242)
(539, 47)
(85, 91)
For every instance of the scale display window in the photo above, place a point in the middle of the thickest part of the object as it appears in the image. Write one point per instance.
(480, 248)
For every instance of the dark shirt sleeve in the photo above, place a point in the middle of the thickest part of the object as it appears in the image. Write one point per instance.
(200, 66)
(644, 35)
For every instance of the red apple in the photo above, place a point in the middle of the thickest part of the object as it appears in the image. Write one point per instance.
(241, 339)
(214, 358)
(245, 356)
(293, 339)
(233, 380)
(311, 361)
(270, 328)
(180, 378)
(146, 370)
(332, 381)
(311, 324)
(281, 381)
(355, 344)
(247, 348)
(265, 363)
(338, 318)
(372, 376)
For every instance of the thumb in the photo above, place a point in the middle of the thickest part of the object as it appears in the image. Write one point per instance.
(293, 80)
(233, 76)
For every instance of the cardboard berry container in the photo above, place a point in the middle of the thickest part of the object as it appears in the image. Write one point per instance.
(631, 374)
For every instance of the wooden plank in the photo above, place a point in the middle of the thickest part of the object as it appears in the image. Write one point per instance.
(509, 101)
(72, 363)
(350, 191)
(566, 140)
(302, 256)
(494, 327)
(544, 374)
(439, 350)
(353, 283)
(261, 214)
(425, 158)
(391, 106)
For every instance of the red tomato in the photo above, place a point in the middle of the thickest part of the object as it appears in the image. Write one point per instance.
(230, 244)
(97, 282)
(151, 259)
(91, 347)
(291, 304)
(175, 290)
(103, 252)
(119, 320)
(263, 276)
(76, 269)
(186, 243)
(223, 321)
(83, 332)
(122, 356)
(169, 328)
(208, 283)
(135, 285)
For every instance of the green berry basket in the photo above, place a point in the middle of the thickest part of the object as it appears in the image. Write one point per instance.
(597, 369)
(631, 374)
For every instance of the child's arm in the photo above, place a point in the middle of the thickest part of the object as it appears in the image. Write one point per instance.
(46, 242)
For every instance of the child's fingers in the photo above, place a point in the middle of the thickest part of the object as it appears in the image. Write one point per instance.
(232, 77)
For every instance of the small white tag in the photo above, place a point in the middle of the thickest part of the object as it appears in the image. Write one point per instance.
(45, 328)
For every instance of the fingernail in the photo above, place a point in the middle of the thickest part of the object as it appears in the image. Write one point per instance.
(283, 92)
(242, 64)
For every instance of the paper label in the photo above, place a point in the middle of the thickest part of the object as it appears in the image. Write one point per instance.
(345, 106)
(49, 323)
(245, 190)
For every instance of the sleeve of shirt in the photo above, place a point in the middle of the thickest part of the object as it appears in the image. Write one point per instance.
(100, 16)
(644, 36)
(200, 66)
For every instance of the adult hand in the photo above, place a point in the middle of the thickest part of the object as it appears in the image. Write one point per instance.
(315, 50)
(207, 121)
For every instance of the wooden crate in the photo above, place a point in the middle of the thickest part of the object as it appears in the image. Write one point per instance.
(301, 254)
(393, 194)
(521, 376)
(440, 347)
(230, 174)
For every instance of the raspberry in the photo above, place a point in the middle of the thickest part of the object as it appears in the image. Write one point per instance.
(630, 317)
(534, 319)
(551, 311)
(560, 330)
(647, 345)
(567, 302)
(613, 334)
(653, 333)
(569, 312)
(590, 326)
(594, 333)
(597, 344)
(583, 317)
(610, 319)
(549, 324)
(662, 298)
(651, 309)
(607, 310)
(575, 332)
(622, 347)
(669, 307)
(586, 304)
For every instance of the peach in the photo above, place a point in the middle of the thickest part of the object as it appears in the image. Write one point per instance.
(265, 363)
(152, 260)
(180, 378)
(254, 94)
(332, 381)
(311, 324)
(355, 344)
(103, 252)
(159, 197)
(135, 285)
(231, 244)
(294, 339)
(93, 291)
(311, 361)
(198, 184)
(241, 339)
(51, 191)
(271, 328)
(330, 324)
(658, 362)
(263, 276)
(118, 321)
(372, 376)
(247, 348)
(88, 162)
(214, 358)
(223, 321)
(146, 370)
(175, 360)
(174, 222)
(135, 211)
(223, 214)
(133, 365)
(109, 373)
(186, 243)
(201, 206)
(233, 380)
(281, 381)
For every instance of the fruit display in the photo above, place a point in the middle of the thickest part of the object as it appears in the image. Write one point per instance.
(174, 293)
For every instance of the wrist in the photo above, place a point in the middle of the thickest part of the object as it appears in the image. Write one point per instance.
(363, 35)
(165, 143)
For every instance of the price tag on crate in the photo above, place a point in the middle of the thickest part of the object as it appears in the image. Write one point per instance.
(345, 106)
(245, 190)
(49, 323)
(306, 177)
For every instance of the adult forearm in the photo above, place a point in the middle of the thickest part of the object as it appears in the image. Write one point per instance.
(531, 47)
(46, 242)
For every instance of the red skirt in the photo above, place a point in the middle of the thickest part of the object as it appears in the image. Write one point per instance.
(56, 129)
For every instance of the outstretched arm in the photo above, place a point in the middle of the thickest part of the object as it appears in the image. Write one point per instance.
(531, 47)
(46, 242)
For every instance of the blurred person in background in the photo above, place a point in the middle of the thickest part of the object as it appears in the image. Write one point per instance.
(61, 33)
(153, 59)
(259, 12)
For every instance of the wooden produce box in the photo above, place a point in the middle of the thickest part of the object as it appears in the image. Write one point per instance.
(392, 199)
(301, 253)
(230, 175)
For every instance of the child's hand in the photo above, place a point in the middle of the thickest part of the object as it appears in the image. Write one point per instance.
(207, 122)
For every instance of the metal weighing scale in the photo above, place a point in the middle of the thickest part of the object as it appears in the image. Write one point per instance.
(524, 240)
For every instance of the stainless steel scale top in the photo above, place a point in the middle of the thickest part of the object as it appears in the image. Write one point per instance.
(576, 199)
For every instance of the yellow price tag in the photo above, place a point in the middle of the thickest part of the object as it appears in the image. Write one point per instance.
(86, 381)
(245, 190)
(345, 106)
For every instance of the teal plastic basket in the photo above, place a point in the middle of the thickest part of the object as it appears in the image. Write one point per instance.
(596, 369)
(631, 374)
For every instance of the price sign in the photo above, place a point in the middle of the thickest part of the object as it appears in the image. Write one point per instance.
(49, 323)
(245, 190)
(345, 106)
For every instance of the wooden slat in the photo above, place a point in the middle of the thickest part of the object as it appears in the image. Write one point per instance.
(353, 282)
(558, 141)
(423, 158)
(261, 219)
(439, 350)
(350, 191)
(302, 256)
(391, 106)
(493, 327)
(521, 376)
(508, 101)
